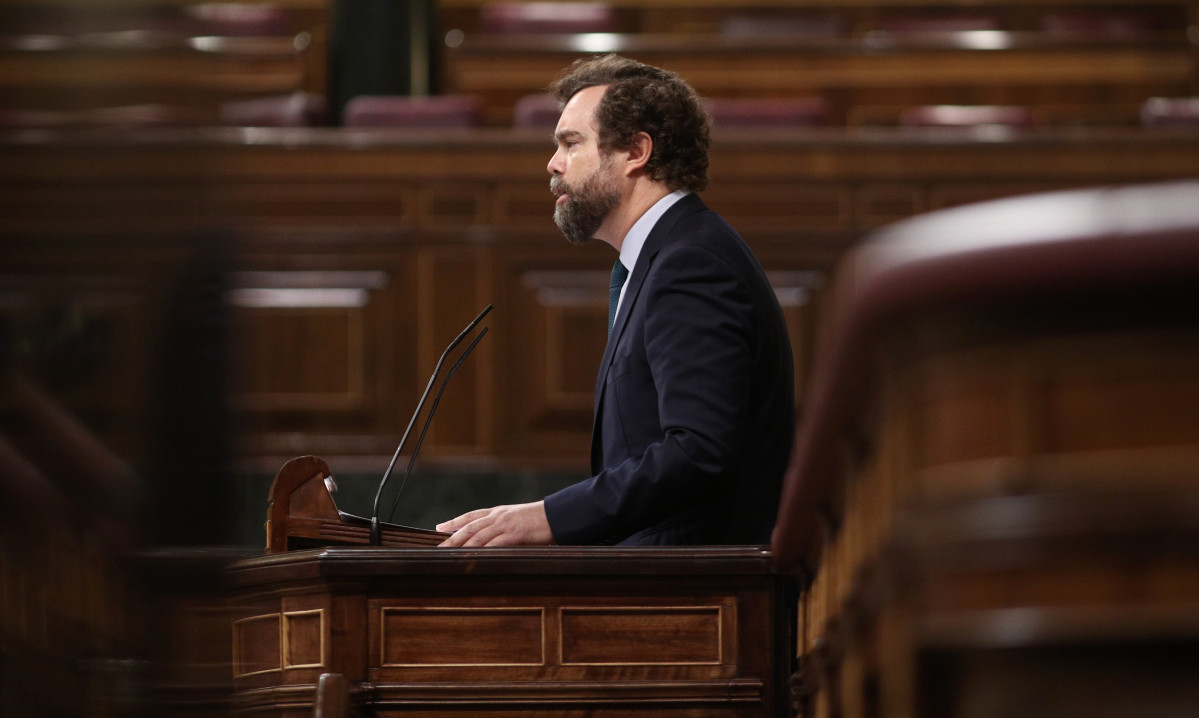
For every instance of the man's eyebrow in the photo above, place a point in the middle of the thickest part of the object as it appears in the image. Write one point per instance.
(563, 135)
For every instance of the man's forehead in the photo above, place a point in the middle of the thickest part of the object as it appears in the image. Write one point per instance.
(588, 97)
(574, 126)
(579, 113)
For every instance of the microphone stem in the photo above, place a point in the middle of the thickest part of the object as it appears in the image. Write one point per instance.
(429, 420)
(375, 532)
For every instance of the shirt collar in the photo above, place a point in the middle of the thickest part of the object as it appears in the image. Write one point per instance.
(630, 248)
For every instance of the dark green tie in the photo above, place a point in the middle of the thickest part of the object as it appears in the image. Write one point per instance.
(619, 274)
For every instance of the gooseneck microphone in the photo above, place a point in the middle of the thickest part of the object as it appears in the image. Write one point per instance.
(376, 532)
(420, 440)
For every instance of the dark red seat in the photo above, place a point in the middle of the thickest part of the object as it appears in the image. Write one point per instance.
(921, 24)
(237, 19)
(405, 111)
(151, 114)
(298, 109)
(1170, 112)
(767, 112)
(538, 109)
(1100, 25)
(512, 18)
(807, 25)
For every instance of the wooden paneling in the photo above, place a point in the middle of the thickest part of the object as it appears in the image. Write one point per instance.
(1065, 409)
(319, 336)
(430, 636)
(382, 204)
(558, 296)
(809, 206)
(453, 286)
(361, 254)
(644, 635)
(272, 381)
(305, 639)
(257, 646)
(567, 303)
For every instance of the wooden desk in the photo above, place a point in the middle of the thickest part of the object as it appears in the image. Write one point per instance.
(506, 632)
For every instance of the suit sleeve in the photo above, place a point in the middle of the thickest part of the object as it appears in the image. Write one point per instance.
(680, 408)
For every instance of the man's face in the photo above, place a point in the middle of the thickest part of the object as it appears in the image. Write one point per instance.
(583, 178)
(583, 206)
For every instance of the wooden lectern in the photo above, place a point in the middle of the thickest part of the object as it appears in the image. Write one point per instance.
(540, 631)
(301, 513)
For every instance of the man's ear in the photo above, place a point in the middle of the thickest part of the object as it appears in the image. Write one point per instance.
(638, 153)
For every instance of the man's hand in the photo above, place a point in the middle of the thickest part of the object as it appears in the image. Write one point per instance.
(513, 525)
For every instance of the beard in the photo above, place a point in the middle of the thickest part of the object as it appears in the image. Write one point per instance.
(590, 202)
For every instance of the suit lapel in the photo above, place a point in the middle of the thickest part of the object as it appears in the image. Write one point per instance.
(658, 237)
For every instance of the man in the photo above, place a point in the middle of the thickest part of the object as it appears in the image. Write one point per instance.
(694, 404)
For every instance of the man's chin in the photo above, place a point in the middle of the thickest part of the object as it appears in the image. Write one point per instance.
(577, 240)
(573, 234)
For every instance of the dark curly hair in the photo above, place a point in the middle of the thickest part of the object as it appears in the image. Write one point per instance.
(643, 98)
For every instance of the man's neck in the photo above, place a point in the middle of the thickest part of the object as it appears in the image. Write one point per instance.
(644, 194)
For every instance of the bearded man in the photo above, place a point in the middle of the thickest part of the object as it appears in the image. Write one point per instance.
(694, 403)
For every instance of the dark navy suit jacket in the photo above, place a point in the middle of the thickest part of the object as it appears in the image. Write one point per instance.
(694, 403)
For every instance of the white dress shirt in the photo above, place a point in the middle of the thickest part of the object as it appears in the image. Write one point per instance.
(630, 248)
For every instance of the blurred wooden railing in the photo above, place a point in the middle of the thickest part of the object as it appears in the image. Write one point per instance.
(991, 501)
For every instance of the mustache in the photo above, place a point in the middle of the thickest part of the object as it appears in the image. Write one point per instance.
(558, 187)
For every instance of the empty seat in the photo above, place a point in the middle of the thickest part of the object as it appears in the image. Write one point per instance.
(539, 109)
(143, 115)
(766, 112)
(1098, 25)
(404, 111)
(1170, 112)
(809, 25)
(298, 109)
(237, 19)
(547, 17)
(966, 116)
(917, 24)
(151, 114)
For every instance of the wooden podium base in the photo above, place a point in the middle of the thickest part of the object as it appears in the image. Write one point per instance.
(547, 631)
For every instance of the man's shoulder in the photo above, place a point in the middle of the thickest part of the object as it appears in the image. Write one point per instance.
(691, 217)
(707, 229)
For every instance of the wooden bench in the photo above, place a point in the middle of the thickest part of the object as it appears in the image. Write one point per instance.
(166, 63)
(866, 80)
(991, 498)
